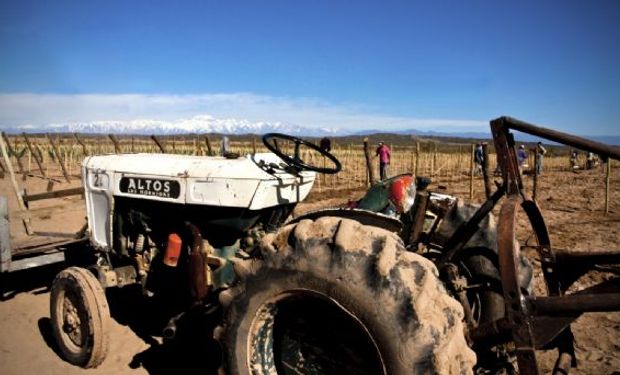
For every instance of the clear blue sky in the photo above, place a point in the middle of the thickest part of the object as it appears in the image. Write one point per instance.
(555, 63)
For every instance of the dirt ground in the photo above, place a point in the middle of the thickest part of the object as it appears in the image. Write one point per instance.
(572, 204)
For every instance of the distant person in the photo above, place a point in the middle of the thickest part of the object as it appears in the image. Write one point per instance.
(479, 159)
(541, 151)
(591, 161)
(573, 160)
(521, 157)
(325, 144)
(384, 153)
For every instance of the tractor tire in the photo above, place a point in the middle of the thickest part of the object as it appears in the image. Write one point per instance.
(80, 317)
(332, 296)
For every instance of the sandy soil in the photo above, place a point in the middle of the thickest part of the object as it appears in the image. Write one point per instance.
(572, 205)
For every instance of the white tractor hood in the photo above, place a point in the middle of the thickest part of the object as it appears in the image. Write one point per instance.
(203, 180)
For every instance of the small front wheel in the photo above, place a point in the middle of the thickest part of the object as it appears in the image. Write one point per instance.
(80, 317)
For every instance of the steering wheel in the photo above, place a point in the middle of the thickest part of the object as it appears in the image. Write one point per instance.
(270, 140)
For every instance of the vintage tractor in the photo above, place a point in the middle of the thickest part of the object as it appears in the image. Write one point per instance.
(402, 281)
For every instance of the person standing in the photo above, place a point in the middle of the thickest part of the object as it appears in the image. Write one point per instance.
(384, 153)
(541, 151)
(479, 159)
(521, 157)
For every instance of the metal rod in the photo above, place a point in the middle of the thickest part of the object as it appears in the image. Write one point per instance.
(567, 139)
(575, 304)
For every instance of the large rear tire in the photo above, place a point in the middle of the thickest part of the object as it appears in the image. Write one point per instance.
(334, 296)
(80, 317)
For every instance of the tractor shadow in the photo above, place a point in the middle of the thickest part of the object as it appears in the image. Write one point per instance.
(191, 351)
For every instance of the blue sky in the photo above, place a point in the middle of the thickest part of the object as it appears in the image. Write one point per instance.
(346, 64)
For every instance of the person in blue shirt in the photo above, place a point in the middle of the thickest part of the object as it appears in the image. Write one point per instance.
(521, 157)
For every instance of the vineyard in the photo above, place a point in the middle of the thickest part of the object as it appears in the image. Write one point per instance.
(58, 157)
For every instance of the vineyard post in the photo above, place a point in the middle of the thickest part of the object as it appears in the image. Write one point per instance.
(253, 145)
(79, 140)
(458, 162)
(132, 144)
(59, 157)
(434, 159)
(208, 143)
(174, 147)
(20, 166)
(607, 184)
(161, 148)
(485, 170)
(2, 170)
(20, 199)
(117, 147)
(471, 172)
(371, 174)
(32, 152)
(535, 179)
(417, 158)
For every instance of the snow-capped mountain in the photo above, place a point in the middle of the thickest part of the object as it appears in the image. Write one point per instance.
(196, 124)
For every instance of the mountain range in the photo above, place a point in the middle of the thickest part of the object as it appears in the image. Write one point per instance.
(209, 124)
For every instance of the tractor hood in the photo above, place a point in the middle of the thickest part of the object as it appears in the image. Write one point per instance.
(253, 182)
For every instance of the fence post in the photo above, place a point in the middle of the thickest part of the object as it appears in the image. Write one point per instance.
(17, 157)
(471, 172)
(59, 157)
(79, 140)
(34, 155)
(535, 179)
(371, 173)
(417, 158)
(209, 149)
(485, 170)
(117, 147)
(20, 199)
(161, 148)
(607, 184)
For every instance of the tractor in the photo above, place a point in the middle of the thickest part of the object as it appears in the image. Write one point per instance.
(403, 281)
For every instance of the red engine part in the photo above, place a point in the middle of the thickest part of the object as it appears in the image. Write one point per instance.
(173, 250)
(402, 193)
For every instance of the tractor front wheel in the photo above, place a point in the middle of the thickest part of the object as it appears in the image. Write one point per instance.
(80, 317)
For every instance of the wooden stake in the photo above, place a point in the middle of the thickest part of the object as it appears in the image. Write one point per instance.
(417, 158)
(117, 147)
(535, 179)
(84, 150)
(209, 149)
(59, 157)
(13, 151)
(607, 184)
(485, 170)
(36, 157)
(20, 200)
(371, 173)
(161, 148)
(471, 172)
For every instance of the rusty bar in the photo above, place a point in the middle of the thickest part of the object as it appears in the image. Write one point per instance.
(567, 139)
(574, 304)
(506, 156)
(496, 331)
(589, 257)
(34, 154)
(53, 194)
(161, 148)
(516, 308)
(467, 229)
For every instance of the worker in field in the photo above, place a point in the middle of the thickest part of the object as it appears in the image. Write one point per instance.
(573, 160)
(384, 154)
(478, 159)
(325, 144)
(541, 151)
(521, 157)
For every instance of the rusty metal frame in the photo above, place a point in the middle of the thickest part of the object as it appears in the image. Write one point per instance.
(542, 322)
